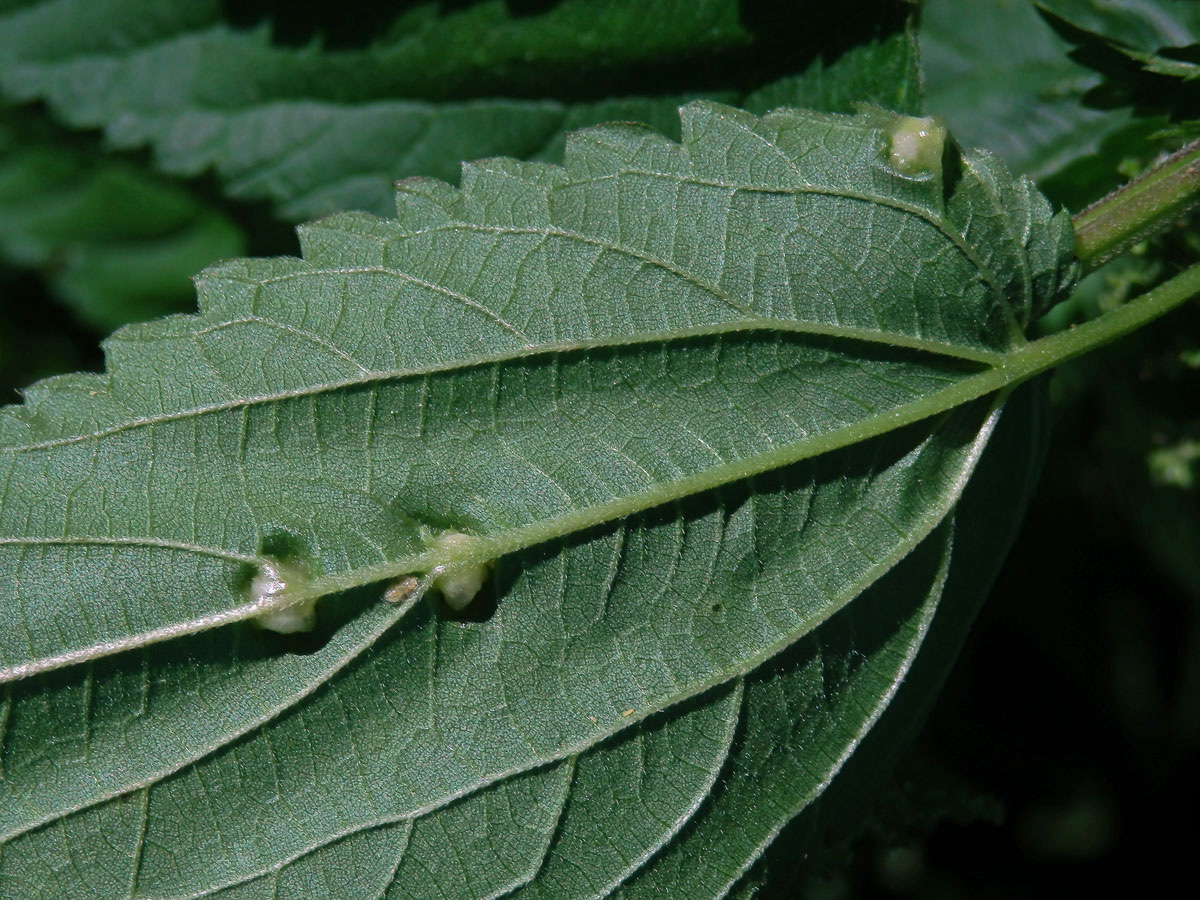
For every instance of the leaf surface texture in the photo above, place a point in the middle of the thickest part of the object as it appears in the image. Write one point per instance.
(692, 399)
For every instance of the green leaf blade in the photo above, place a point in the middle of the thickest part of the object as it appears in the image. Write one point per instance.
(292, 353)
(442, 708)
(163, 708)
(630, 797)
(693, 399)
(803, 716)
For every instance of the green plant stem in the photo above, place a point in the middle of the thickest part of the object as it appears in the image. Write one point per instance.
(1056, 349)
(1134, 212)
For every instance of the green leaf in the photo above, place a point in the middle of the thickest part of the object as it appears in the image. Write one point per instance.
(1002, 79)
(117, 244)
(746, 889)
(272, 121)
(880, 69)
(1011, 467)
(692, 399)
(1136, 26)
(502, 291)
(841, 679)
(1147, 50)
(868, 656)
(246, 823)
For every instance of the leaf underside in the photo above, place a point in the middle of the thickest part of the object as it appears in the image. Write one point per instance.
(662, 385)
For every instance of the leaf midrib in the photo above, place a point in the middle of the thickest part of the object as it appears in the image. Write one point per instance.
(922, 530)
(1016, 366)
(485, 549)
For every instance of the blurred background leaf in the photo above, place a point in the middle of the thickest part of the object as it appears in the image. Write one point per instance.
(295, 111)
(1002, 79)
(1145, 50)
(315, 129)
(113, 241)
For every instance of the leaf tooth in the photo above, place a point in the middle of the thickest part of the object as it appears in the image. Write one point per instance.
(346, 239)
(507, 192)
(422, 203)
(607, 149)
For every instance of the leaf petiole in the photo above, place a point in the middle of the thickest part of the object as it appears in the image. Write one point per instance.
(1140, 209)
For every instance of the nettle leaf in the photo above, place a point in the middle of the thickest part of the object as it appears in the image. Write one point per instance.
(116, 243)
(1148, 51)
(855, 806)
(687, 401)
(1003, 79)
(273, 121)
(417, 55)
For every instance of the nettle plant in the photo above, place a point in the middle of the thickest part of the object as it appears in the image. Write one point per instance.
(565, 532)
